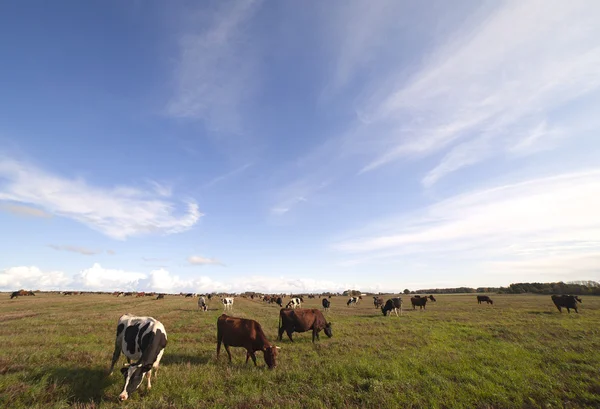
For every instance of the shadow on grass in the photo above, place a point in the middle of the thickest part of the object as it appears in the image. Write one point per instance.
(84, 385)
(183, 359)
(540, 312)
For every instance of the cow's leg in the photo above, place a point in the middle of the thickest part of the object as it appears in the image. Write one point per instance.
(228, 351)
(568, 310)
(396, 311)
(247, 356)
(289, 334)
(280, 335)
(219, 340)
(253, 356)
(149, 375)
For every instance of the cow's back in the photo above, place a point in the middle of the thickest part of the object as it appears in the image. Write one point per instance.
(135, 334)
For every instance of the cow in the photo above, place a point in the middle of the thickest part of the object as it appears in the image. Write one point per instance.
(227, 303)
(210, 296)
(302, 320)
(15, 294)
(377, 302)
(566, 301)
(326, 304)
(418, 301)
(432, 298)
(160, 297)
(246, 333)
(484, 298)
(190, 295)
(143, 340)
(128, 294)
(142, 294)
(352, 301)
(393, 304)
(67, 292)
(294, 303)
(279, 301)
(202, 304)
(121, 294)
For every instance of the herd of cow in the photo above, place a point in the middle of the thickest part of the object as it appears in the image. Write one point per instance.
(143, 339)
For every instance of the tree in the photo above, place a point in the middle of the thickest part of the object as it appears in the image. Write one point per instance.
(406, 291)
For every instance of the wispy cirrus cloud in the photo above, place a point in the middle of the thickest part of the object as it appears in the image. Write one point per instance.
(227, 175)
(493, 89)
(25, 211)
(215, 72)
(118, 212)
(203, 261)
(75, 249)
(514, 226)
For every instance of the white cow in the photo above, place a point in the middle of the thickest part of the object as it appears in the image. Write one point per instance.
(227, 303)
(294, 303)
(202, 304)
(142, 340)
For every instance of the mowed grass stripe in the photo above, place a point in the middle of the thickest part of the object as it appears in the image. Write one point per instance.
(519, 353)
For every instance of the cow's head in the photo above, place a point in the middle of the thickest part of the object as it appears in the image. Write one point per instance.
(270, 355)
(134, 375)
(383, 311)
(577, 298)
(327, 329)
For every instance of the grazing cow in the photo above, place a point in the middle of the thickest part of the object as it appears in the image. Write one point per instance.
(143, 340)
(246, 333)
(294, 303)
(326, 304)
(484, 298)
(160, 297)
(279, 301)
(202, 304)
(302, 320)
(227, 303)
(352, 301)
(378, 302)
(189, 295)
(432, 298)
(566, 301)
(142, 294)
(393, 304)
(210, 296)
(418, 301)
(68, 293)
(121, 294)
(128, 294)
(15, 294)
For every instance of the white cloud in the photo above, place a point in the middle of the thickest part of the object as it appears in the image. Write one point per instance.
(227, 175)
(492, 90)
(32, 278)
(199, 260)
(97, 278)
(21, 210)
(75, 249)
(513, 226)
(215, 73)
(119, 212)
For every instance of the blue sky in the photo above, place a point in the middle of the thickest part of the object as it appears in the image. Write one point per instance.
(273, 146)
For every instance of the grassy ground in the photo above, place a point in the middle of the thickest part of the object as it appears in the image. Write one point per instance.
(519, 353)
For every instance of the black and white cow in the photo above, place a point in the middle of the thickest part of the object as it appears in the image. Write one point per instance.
(202, 304)
(352, 301)
(142, 340)
(294, 303)
(227, 303)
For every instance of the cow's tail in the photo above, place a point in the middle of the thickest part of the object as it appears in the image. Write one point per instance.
(279, 326)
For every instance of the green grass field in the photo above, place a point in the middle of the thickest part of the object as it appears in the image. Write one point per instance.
(519, 353)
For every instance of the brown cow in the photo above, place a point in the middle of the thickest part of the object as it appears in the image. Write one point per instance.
(142, 294)
(566, 301)
(246, 333)
(418, 301)
(301, 320)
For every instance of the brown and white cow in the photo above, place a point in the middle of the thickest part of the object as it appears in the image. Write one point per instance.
(143, 340)
(302, 320)
(245, 333)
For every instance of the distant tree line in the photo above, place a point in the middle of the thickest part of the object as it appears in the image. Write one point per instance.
(573, 287)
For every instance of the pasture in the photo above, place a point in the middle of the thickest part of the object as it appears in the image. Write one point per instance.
(519, 353)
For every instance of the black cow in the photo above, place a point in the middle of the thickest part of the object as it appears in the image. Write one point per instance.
(484, 298)
(393, 304)
(279, 301)
(326, 304)
(302, 320)
(141, 339)
(160, 297)
(418, 301)
(432, 298)
(566, 301)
